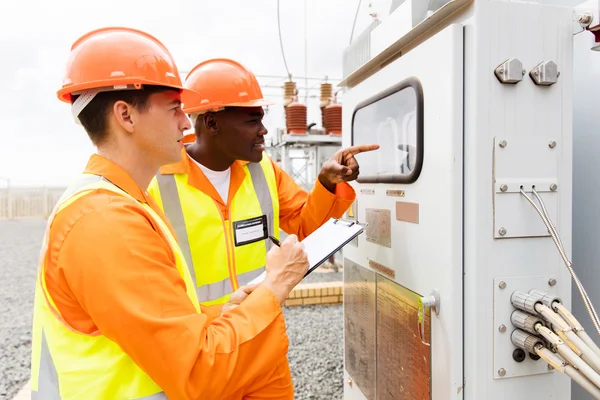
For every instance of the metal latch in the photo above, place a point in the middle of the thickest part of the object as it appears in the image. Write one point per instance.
(432, 301)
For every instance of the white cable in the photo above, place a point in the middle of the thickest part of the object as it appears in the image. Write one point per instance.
(560, 326)
(560, 365)
(554, 233)
(571, 320)
(556, 238)
(568, 354)
(582, 381)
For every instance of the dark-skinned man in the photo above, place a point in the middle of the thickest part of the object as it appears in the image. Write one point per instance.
(225, 196)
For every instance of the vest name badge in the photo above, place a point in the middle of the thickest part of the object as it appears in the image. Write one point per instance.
(250, 230)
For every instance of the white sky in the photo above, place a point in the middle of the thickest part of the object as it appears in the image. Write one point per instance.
(39, 142)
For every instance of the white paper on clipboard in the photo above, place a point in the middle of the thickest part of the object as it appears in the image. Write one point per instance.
(325, 242)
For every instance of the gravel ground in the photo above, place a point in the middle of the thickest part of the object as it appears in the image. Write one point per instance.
(315, 332)
(316, 349)
(19, 248)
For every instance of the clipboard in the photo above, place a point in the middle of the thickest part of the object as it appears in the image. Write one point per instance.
(324, 242)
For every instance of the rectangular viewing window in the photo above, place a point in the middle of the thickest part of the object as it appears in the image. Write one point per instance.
(394, 120)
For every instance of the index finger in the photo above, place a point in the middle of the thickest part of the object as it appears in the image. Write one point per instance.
(362, 148)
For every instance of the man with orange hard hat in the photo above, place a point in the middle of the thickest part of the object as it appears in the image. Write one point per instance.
(116, 314)
(225, 198)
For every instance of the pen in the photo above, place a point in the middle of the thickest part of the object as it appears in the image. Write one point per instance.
(275, 241)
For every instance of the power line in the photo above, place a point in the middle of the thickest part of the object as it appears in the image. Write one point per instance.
(281, 41)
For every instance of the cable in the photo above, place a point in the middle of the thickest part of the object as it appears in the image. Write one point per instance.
(281, 42)
(555, 237)
(354, 23)
(571, 320)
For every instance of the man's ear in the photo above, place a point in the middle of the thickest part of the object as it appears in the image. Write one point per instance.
(210, 123)
(124, 115)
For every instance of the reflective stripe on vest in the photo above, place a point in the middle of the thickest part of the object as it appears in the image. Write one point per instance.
(172, 202)
(69, 364)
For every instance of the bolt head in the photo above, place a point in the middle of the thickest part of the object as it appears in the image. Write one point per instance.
(502, 328)
(502, 285)
(502, 143)
(550, 367)
(552, 282)
(504, 188)
(523, 72)
(502, 231)
(552, 144)
(553, 187)
(501, 372)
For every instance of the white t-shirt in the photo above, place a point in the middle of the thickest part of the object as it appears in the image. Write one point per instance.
(219, 179)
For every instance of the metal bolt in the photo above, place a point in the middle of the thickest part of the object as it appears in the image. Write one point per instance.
(553, 187)
(502, 285)
(504, 188)
(500, 70)
(502, 231)
(502, 143)
(501, 372)
(552, 144)
(552, 282)
(350, 382)
(536, 72)
(557, 74)
(523, 72)
(502, 328)
(550, 367)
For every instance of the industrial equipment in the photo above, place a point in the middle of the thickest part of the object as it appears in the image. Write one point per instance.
(461, 285)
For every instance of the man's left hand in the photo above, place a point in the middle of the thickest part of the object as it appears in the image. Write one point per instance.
(342, 167)
(237, 297)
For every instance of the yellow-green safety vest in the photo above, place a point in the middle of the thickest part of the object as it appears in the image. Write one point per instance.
(218, 267)
(67, 364)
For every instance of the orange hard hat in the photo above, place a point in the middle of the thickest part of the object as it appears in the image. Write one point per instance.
(118, 58)
(223, 83)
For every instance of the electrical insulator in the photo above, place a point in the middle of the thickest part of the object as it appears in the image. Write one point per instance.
(289, 91)
(295, 118)
(332, 117)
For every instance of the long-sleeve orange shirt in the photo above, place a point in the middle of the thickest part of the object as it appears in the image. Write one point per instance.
(300, 213)
(108, 269)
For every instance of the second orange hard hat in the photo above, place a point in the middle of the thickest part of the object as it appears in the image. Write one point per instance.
(223, 83)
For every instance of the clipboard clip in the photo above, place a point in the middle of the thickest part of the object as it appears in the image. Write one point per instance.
(343, 222)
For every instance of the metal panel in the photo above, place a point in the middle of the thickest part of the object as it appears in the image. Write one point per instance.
(503, 346)
(403, 361)
(359, 326)
(426, 256)
(527, 163)
(379, 228)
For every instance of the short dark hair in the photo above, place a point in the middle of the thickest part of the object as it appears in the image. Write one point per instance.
(94, 117)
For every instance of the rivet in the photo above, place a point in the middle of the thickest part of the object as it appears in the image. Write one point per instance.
(550, 367)
(504, 188)
(501, 372)
(502, 328)
(552, 282)
(502, 231)
(502, 285)
(502, 143)
(553, 187)
(552, 144)
(523, 72)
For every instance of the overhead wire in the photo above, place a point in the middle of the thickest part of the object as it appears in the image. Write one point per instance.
(281, 42)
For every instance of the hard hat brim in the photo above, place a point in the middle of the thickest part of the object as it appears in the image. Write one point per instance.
(217, 107)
